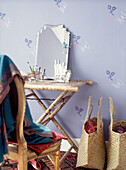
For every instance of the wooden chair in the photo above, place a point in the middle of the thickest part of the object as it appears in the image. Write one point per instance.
(19, 152)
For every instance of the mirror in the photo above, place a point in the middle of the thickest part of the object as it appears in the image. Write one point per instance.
(52, 45)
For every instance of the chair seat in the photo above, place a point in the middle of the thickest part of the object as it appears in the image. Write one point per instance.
(13, 151)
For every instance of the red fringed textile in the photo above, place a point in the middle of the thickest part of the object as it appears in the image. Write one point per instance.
(41, 147)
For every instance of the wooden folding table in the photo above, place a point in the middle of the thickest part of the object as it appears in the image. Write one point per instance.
(67, 91)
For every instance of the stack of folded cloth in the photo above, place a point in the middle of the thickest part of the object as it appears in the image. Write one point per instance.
(119, 129)
(89, 127)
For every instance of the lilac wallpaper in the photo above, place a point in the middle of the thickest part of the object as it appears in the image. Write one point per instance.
(97, 51)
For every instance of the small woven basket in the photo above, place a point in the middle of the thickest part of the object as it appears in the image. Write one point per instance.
(116, 158)
(92, 152)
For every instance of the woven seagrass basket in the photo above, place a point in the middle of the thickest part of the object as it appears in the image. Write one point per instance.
(116, 157)
(92, 152)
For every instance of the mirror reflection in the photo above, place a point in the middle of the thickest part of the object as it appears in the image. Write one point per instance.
(52, 46)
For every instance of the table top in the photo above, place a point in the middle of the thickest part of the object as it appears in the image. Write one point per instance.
(50, 85)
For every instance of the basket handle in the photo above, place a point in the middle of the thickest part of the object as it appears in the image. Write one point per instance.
(88, 108)
(112, 109)
(99, 118)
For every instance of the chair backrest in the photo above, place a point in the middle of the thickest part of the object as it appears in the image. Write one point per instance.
(21, 109)
(18, 153)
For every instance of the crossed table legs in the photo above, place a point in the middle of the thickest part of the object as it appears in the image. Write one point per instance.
(60, 101)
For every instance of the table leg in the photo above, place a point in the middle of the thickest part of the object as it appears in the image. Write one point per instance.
(65, 134)
(37, 99)
(51, 116)
(47, 112)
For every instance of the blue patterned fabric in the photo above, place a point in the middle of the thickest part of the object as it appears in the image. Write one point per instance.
(33, 132)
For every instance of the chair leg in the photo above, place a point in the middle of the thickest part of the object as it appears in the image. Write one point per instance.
(22, 160)
(22, 165)
(57, 158)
